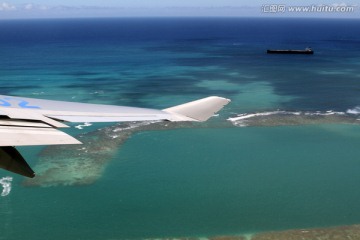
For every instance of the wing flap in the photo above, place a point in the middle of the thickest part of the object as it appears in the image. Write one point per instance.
(20, 123)
(26, 114)
(26, 136)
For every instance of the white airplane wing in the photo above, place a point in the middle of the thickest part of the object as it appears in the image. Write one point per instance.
(30, 121)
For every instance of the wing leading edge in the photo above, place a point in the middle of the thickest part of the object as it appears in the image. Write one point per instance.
(28, 121)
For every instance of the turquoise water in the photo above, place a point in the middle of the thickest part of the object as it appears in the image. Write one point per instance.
(200, 182)
(294, 166)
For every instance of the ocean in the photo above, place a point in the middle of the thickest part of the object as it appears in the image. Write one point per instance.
(284, 154)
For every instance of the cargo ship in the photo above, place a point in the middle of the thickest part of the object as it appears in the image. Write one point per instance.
(289, 51)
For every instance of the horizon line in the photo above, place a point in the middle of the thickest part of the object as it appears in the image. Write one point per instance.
(184, 16)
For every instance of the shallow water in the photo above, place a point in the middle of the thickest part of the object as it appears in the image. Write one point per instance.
(283, 155)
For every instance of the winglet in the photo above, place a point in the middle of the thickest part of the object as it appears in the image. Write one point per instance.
(199, 110)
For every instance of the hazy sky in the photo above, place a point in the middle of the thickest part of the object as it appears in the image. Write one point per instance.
(128, 8)
(170, 3)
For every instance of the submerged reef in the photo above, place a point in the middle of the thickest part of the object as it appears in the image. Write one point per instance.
(228, 238)
(84, 164)
(331, 233)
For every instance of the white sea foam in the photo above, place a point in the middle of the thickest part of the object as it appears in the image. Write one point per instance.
(251, 115)
(262, 118)
(355, 110)
(134, 125)
(38, 93)
(6, 184)
(81, 126)
(319, 113)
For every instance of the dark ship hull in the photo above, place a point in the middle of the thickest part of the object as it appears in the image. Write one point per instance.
(306, 51)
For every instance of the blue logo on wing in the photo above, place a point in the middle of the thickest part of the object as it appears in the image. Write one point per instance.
(16, 102)
(4, 103)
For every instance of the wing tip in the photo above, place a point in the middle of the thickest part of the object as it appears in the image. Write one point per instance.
(198, 110)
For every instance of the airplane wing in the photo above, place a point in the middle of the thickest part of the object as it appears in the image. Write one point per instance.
(30, 121)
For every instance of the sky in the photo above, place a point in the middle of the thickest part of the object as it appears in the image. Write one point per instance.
(19, 9)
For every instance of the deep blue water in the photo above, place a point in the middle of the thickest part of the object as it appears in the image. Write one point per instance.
(192, 182)
(84, 50)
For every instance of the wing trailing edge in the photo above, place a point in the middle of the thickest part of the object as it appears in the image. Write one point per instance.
(31, 136)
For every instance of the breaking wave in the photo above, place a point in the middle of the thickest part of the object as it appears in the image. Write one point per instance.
(82, 126)
(282, 118)
(6, 184)
(355, 111)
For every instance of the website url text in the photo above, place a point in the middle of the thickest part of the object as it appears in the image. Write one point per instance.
(282, 8)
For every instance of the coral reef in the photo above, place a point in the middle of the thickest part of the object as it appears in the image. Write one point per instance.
(351, 232)
(331, 233)
(84, 164)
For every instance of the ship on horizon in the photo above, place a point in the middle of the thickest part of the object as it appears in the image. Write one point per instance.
(307, 50)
